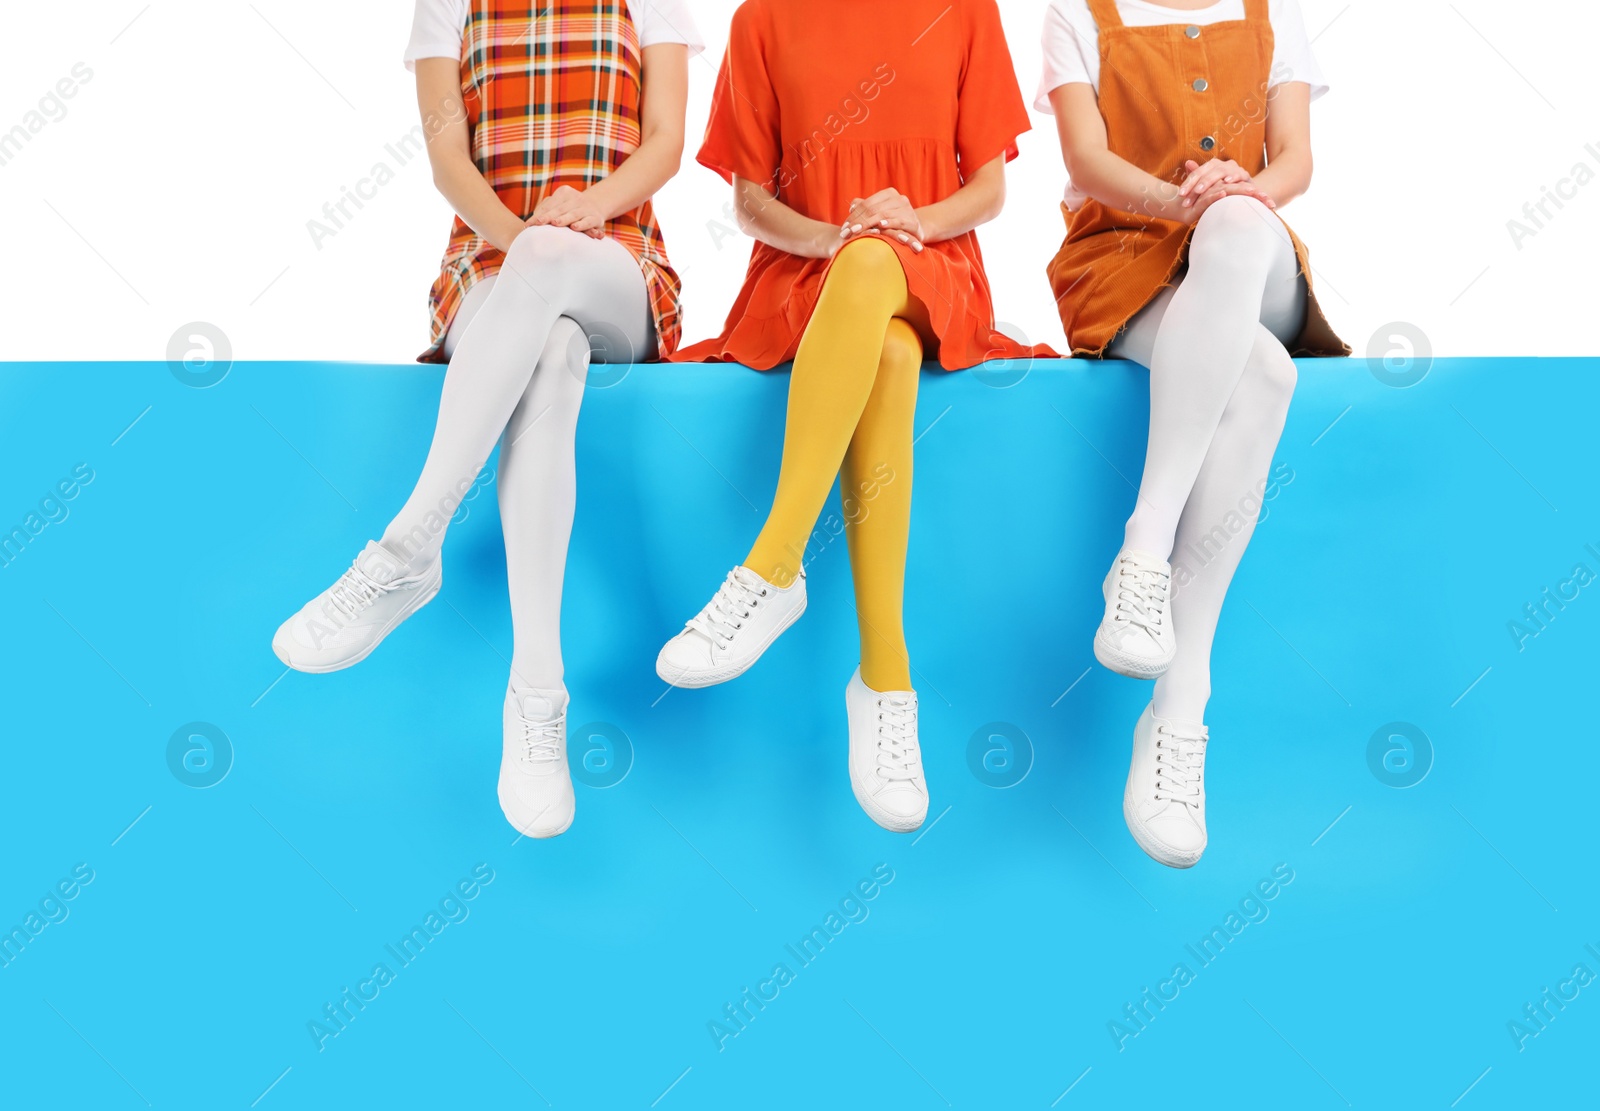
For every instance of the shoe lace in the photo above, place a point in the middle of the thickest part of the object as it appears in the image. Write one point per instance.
(726, 614)
(355, 591)
(1180, 764)
(898, 756)
(1141, 597)
(541, 740)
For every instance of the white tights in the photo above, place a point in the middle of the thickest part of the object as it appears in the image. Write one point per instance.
(1220, 384)
(519, 350)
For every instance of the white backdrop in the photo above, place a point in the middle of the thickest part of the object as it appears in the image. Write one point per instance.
(176, 151)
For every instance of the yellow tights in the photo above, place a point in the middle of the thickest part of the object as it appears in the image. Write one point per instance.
(852, 398)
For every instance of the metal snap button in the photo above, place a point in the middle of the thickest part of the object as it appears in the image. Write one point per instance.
(1201, 84)
(1192, 31)
(1208, 143)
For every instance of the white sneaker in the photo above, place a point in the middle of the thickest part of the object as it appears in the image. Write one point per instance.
(535, 785)
(885, 759)
(1135, 636)
(342, 625)
(728, 636)
(1165, 800)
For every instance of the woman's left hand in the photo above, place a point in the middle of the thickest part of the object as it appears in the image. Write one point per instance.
(570, 208)
(887, 212)
(1218, 171)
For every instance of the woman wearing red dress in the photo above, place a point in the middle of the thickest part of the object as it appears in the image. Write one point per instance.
(861, 165)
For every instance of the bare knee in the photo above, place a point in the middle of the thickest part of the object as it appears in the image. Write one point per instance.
(867, 261)
(902, 349)
(1237, 233)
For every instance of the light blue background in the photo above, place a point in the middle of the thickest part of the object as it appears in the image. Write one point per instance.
(1022, 921)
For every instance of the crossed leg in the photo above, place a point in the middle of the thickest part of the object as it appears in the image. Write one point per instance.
(852, 398)
(1221, 381)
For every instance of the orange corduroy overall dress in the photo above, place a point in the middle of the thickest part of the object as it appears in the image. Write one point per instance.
(552, 93)
(1168, 94)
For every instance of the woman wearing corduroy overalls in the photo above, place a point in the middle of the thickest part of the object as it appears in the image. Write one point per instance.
(1185, 125)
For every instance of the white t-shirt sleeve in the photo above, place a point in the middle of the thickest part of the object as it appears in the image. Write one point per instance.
(437, 28)
(663, 21)
(1292, 59)
(1071, 49)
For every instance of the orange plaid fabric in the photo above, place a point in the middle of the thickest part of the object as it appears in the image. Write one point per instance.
(552, 96)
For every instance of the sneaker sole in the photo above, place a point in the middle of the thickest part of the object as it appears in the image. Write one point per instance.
(1123, 664)
(322, 669)
(891, 822)
(1154, 849)
(543, 836)
(700, 679)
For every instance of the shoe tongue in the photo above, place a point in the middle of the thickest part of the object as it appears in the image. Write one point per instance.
(1195, 730)
(749, 578)
(537, 705)
(1144, 561)
(379, 564)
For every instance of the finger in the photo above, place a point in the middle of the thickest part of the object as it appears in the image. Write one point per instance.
(896, 224)
(1194, 169)
(868, 218)
(1205, 181)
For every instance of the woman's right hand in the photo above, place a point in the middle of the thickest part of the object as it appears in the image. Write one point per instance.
(567, 207)
(887, 212)
(1204, 201)
(1198, 178)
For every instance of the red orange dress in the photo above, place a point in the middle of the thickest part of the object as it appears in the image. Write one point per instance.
(824, 101)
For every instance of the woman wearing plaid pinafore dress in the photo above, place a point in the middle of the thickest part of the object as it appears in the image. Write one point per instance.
(549, 128)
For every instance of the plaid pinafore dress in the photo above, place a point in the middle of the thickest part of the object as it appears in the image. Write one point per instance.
(552, 96)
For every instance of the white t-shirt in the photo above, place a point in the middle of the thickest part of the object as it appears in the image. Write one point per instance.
(439, 26)
(1072, 46)
(1072, 40)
